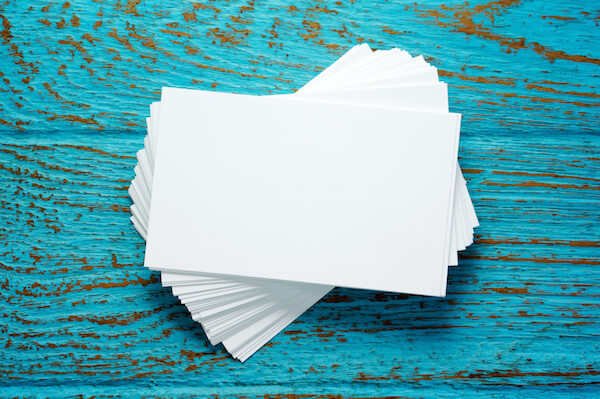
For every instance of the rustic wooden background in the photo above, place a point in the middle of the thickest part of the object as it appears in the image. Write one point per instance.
(80, 315)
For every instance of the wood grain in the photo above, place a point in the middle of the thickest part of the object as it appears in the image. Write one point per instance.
(81, 316)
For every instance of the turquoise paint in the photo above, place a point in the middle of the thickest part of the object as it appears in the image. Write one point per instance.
(80, 315)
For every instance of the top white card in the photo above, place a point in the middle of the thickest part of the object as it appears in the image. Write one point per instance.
(280, 188)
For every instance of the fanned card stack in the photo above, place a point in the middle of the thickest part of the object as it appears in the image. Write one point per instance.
(255, 207)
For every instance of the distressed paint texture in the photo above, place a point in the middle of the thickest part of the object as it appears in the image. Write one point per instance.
(80, 315)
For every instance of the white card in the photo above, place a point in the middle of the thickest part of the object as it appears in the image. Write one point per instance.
(264, 201)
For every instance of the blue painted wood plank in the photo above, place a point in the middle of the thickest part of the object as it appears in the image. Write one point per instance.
(512, 65)
(80, 315)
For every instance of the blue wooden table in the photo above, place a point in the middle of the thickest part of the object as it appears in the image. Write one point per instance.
(81, 316)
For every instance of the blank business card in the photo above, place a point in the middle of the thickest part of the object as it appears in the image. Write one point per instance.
(300, 190)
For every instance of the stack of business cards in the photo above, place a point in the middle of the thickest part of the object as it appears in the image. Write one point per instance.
(255, 207)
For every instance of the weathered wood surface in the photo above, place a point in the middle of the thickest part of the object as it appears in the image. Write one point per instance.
(80, 315)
